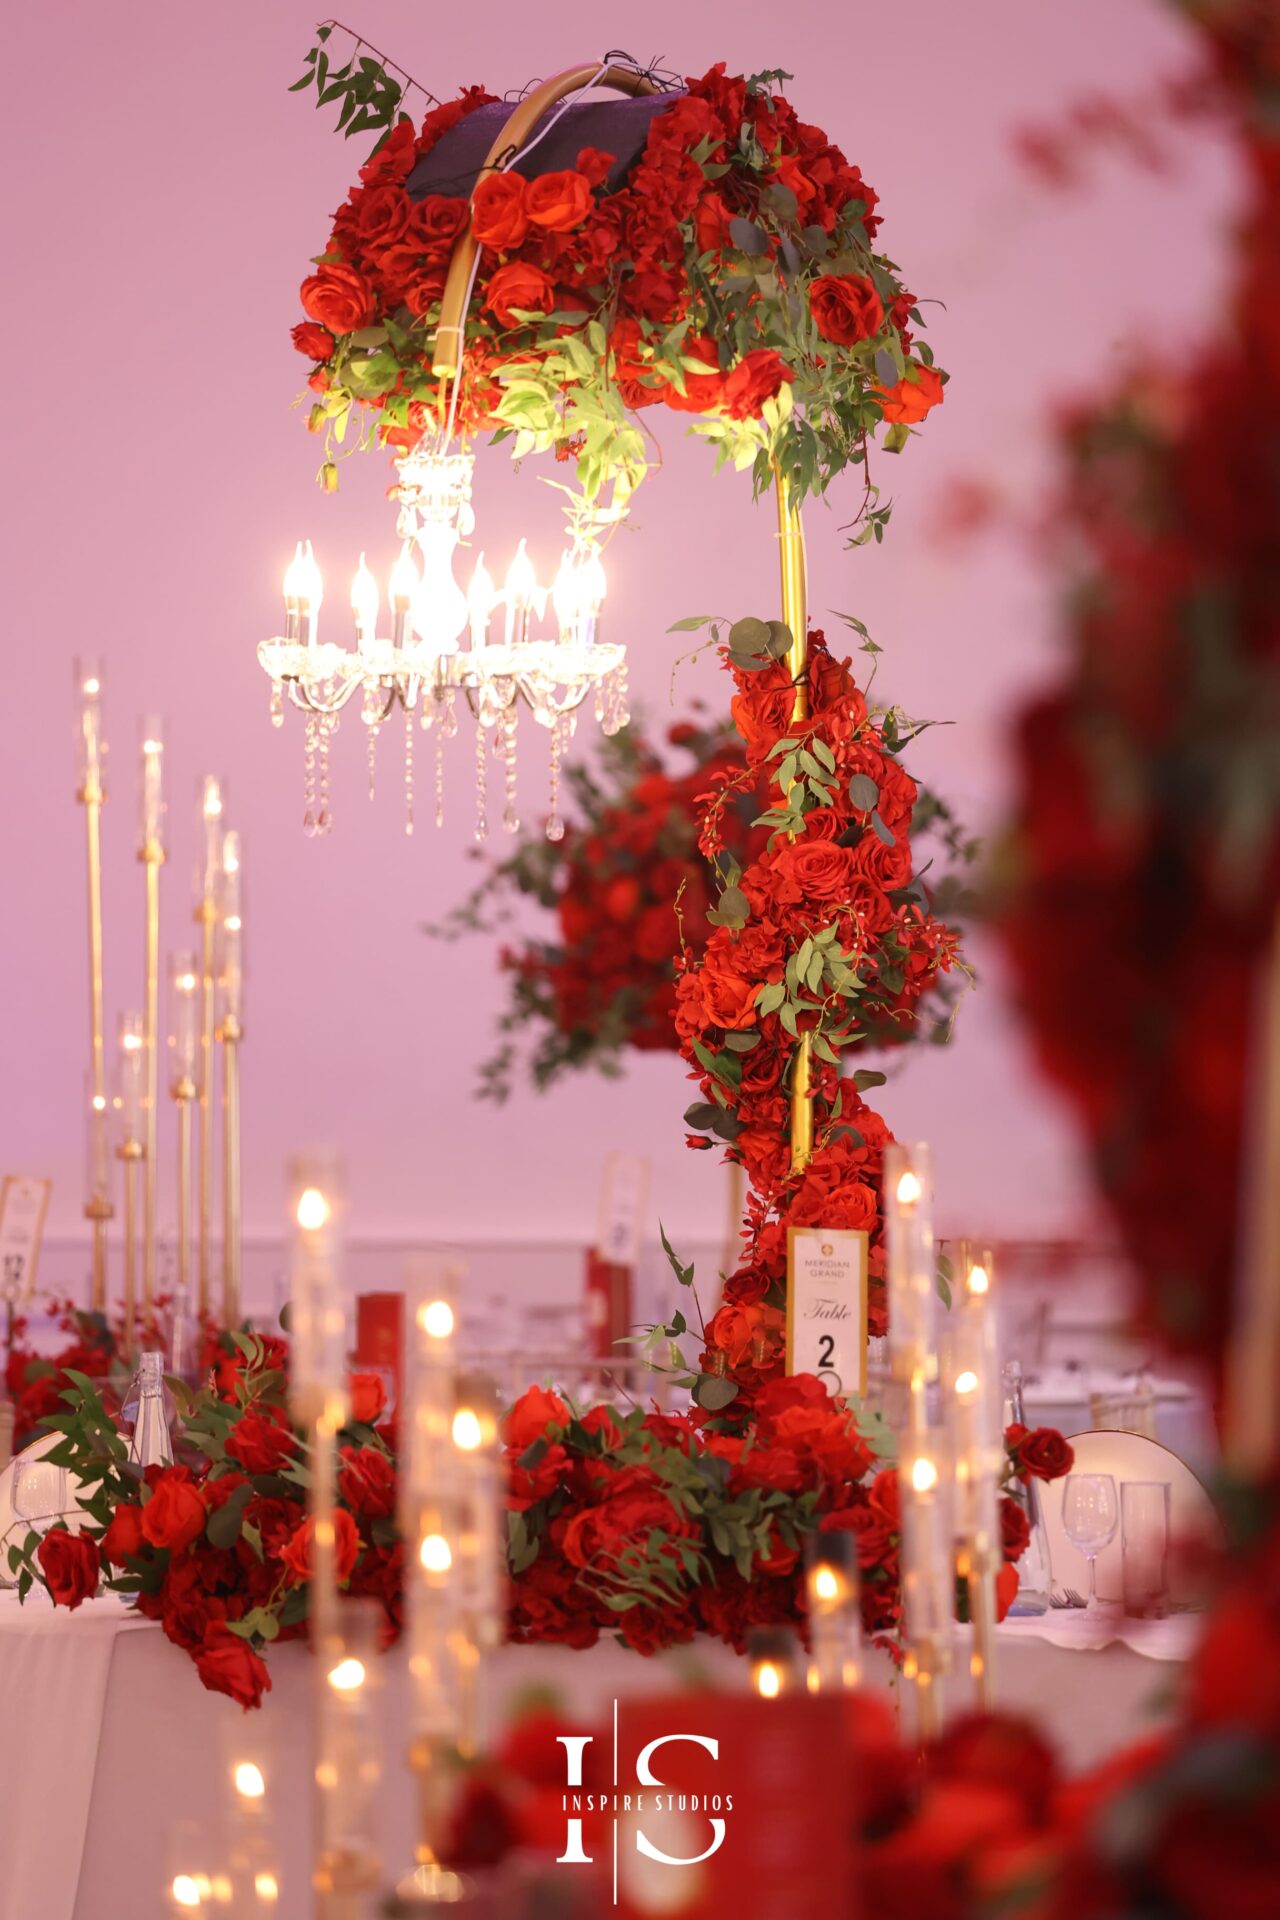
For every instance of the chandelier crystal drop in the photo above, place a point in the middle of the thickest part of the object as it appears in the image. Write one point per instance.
(485, 642)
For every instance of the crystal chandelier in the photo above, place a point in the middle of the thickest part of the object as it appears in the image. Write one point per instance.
(424, 665)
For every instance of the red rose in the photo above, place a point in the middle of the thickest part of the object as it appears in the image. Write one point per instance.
(845, 308)
(395, 157)
(70, 1564)
(702, 391)
(913, 397)
(527, 1485)
(498, 218)
(758, 377)
(380, 215)
(368, 1398)
(316, 342)
(295, 1555)
(537, 1409)
(367, 1482)
(228, 1664)
(558, 201)
(188, 1603)
(175, 1514)
(809, 872)
(124, 1538)
(518, 286)
(435, 223)
(1039, 1454)
(338, 298)
(594, 166)
(262, 1440)
(1015, 1529)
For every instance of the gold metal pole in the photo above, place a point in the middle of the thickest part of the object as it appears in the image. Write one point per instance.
(152, 859)
(130, 1154)
(795, 612)
(98, 1208)
(184, 1095)
(230, 1035)
(206, 915)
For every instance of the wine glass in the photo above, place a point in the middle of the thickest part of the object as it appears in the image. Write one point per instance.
(39, 1492)
(1090, 1515)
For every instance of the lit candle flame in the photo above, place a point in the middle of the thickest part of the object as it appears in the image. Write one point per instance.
(249, 1782)
(967, 1382)
(347, 1676)
(435, 1553)
(910, 1190)
(313, 1210)
(522, 581)
(364, 601)
(768, 1680)
(979, 1281)
(468, 1434)
(924, 1475)
(436, 1319)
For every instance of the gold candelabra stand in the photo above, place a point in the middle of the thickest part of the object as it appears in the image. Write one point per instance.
(91, 793)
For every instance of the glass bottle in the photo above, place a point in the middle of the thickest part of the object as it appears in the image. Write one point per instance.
(1035, 1573)
(151, 1444)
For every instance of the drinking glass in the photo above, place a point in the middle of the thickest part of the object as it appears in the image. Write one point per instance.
(1144, 1547)
(39, 1492)
(1090, 1515)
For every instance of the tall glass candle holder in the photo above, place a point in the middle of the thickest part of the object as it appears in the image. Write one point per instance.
(971, 1381)
(912, 1276)
(208, 881)
(151, 852)
(349, 1766)
(318, 1388)
(835, 1614)
(430, 1522)
(928, 1579)
(481, 1575)
(230, 1032)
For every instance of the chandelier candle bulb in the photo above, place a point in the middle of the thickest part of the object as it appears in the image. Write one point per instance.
(912, 1277)
(402, 589)
(481, 596)
(519, 592)
(364, 604)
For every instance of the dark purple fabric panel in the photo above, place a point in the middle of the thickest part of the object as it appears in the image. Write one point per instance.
(619, 126)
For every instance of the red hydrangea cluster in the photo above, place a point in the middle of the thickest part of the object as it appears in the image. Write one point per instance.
(825, 932)
(661, 1526)
(627, 884)
(565, 248)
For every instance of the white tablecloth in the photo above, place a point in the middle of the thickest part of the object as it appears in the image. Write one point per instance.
(108, 1743)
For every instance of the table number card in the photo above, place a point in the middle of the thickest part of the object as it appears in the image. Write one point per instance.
(624, 1203)
(827, 1306)
(24, 1201)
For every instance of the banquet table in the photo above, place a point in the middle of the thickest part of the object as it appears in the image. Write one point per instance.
(113, 1759)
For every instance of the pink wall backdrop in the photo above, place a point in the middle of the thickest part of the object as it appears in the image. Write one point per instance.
(165, 193)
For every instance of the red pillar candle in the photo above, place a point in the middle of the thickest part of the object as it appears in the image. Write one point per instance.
(380, 1335)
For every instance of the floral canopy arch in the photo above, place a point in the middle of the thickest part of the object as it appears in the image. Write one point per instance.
(729, 272)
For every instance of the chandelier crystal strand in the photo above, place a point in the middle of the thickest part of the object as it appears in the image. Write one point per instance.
(309, 777)
(527, 643)
(408, 769)
(328, 726)
(482, 784)
(507, 740)
(440, 775)
(555, 825)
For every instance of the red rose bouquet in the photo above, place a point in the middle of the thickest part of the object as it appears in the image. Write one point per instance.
(216, 1546)
(731, 274)
(662, 1526)
(632, 891)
